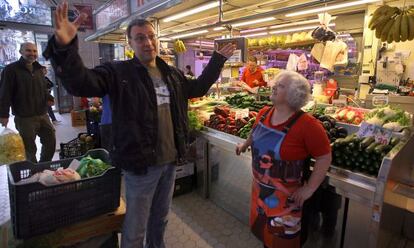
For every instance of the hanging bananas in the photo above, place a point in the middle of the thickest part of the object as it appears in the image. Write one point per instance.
(393, 24)
(179, 46)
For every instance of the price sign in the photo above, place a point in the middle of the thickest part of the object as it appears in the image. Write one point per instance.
(241, 113)
(381, 135)
(366, 130)
(379, 100)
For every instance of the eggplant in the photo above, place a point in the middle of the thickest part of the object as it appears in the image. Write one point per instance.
(327, 125)
(342, 131)
(333, 132)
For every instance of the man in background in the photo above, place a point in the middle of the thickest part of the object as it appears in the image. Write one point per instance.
(23, 88)
(252, 76)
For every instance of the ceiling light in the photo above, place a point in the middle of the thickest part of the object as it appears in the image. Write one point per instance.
(298, 23)
(256, 34)
(197, 44)
(337, 6)
(297, 29)
(218, 28)
(189, 34)
(192, 11)
(252, 30)
(164, 39)
(253, 21)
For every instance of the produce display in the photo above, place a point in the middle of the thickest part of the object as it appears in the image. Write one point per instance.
(90, 167)
(194, 123)
(244, 132)
(388, 117)
(360, 154)
(246, 101)
(393, 24)
(281, 40)
(225, 120)
(349, 115)
(332, 130)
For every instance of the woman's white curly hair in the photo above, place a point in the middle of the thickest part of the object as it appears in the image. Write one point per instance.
(298, 89)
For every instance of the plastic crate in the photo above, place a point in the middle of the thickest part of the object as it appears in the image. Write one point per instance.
(76, 147)
(37, 209)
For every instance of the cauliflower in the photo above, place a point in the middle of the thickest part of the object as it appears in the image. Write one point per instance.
(389, 112)
(394, 126)
(375, 121)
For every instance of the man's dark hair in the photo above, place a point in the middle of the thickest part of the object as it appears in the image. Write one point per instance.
(188, 67)
(253, 59)
(139, 23)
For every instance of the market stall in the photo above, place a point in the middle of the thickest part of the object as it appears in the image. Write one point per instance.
(361, 95)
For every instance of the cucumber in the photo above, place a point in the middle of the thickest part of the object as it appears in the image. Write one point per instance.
(367, 141)
(338, 142)
(379, 149)
(348, 139)
(361, 159)
(394, 141)
(371, 147)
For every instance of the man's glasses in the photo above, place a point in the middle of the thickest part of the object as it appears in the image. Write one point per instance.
(143, 38)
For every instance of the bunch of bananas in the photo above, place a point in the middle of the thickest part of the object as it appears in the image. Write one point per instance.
(393, 24)
(179, 46)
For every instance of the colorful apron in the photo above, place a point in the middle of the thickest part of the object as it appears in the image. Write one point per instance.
(274, 218)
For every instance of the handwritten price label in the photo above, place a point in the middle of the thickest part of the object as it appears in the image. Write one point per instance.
(381, 135)
(241, 113)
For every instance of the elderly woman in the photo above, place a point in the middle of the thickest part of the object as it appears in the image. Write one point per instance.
(282, 140)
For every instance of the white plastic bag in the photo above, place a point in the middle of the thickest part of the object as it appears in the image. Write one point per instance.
(11, 147)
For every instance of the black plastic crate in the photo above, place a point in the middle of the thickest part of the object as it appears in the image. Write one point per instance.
(37, 209)
(76, 147)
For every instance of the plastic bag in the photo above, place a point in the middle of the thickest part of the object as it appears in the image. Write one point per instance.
(11, 147)
(323, 32)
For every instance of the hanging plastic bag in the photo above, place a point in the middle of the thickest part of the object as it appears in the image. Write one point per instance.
(302, 63)
(317, 51)
(11, 147)
(323, 32)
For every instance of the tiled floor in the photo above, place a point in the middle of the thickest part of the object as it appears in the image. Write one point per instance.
(194, 221)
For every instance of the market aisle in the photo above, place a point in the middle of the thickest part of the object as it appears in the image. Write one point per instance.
(194, 221)
(197, 222)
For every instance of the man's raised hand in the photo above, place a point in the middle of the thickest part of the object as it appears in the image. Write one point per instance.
(65, 31)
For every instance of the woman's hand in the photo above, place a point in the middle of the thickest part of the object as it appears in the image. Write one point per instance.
(302, 194)
(241, 148)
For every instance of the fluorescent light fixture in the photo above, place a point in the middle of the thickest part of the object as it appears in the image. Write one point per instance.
(218, 28)
(297, 29)
(252, 30)
(298, 23)
(164, 39)
(190, 34)
(197, 44)
(240, 24)
(192, 11)
(336, 6)
(256, 34)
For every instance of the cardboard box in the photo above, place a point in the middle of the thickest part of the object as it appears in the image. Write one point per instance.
(78, 118)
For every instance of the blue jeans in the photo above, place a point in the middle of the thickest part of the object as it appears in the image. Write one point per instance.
(148, 200)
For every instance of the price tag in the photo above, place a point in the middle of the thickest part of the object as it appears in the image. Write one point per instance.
(381, 135)
(241, 113)
(366, 130)
(379, 100)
